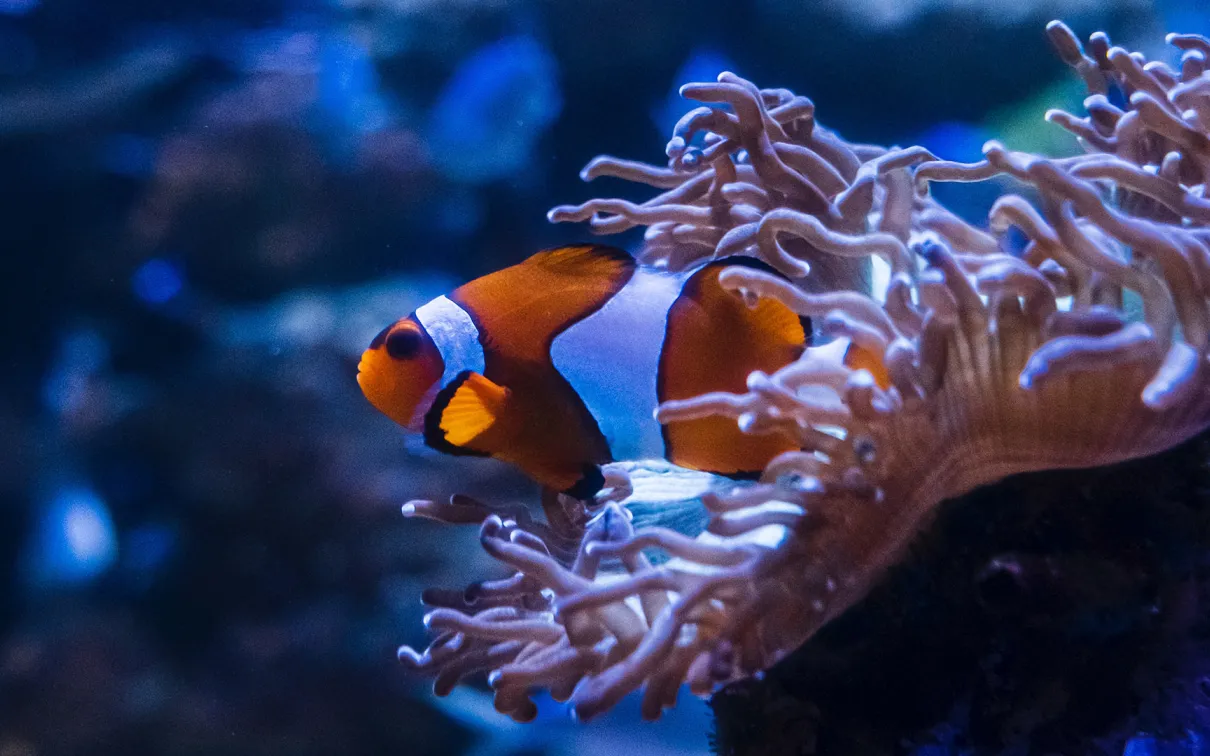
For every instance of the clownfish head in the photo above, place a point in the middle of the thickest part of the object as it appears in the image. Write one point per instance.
(401, 372)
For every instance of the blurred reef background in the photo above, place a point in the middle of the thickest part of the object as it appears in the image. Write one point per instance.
(208, 208)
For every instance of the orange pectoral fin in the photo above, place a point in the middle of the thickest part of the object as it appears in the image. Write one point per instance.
(463, 415)
(472, 409)
(475, 416)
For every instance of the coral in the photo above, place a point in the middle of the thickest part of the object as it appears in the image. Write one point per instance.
(1086, 348)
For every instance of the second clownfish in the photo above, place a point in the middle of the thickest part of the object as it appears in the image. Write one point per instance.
(557, 364)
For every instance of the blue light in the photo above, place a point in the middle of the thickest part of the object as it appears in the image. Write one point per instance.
(494, 109)
(1140, 745)
(1185, 17)
(17, 7)
(74, 542)
(157, 281)
(958, 140)
(703, 64)
(955, 140)
(81, 355)
(348, 86)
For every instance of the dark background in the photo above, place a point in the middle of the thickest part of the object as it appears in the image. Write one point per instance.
(208, 207)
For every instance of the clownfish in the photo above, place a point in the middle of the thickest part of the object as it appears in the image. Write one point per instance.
(557, 364)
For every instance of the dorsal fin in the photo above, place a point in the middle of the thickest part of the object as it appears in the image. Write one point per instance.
(523, 307)
(581, 259)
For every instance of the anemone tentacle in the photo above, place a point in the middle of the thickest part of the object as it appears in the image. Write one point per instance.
(1087, 347)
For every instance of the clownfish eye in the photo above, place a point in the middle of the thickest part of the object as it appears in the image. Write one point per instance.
(403, 344)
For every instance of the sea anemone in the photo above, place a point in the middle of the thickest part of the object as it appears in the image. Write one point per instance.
(1085, 348)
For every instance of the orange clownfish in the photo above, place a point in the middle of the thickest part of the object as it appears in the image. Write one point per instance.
(557, 363)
